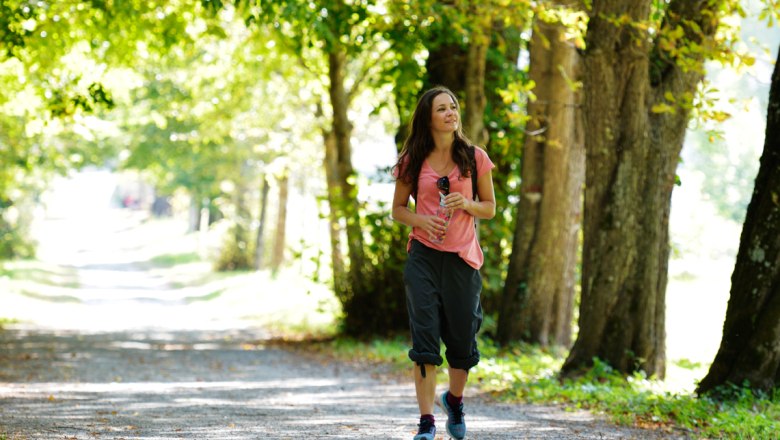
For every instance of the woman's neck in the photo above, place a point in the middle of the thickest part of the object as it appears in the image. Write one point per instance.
(443, 142)
(440, 159)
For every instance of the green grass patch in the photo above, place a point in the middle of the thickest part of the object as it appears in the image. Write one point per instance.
(170, 260)
(526, 373)
(687, 364)
(301, 325)
(7, 321)
(208, 297)
(39, 273)
(202, 278)
(50, 298)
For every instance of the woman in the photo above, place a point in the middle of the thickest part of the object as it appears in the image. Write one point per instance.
(437, 167)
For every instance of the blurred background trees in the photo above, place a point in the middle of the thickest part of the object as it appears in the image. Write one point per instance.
(279, 121)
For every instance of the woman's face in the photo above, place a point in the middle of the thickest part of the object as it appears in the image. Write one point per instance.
(444, 114)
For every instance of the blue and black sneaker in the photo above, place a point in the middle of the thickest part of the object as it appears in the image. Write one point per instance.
(427, 430)
(456, 425)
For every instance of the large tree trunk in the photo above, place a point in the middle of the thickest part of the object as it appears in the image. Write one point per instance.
(632, 154)
(277, 257)
(750, 348)
(538, 295)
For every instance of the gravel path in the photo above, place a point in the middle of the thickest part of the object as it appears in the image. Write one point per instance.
(226, 385)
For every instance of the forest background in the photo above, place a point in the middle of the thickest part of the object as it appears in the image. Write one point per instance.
(273, 125)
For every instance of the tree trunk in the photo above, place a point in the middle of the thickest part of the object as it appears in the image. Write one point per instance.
(196, 205)
(501, 72)
(476, 60)
(750, 348)
(538, 293)
(334, 224)
(281, 223)
(259, 241)
(343, 196)
(631, 157)
(446, 67)
(235, 253)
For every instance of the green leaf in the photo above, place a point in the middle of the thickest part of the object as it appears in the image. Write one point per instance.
(663, 108)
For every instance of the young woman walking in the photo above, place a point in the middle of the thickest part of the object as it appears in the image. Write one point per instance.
(451, 183)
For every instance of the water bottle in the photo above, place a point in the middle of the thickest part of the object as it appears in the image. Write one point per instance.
(443, 212)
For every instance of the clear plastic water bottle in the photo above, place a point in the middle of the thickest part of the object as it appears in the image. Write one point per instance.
(443, 213)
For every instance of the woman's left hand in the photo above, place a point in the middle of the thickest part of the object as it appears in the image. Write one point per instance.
(456, 200)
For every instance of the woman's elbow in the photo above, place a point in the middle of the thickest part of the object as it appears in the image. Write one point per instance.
(491, 211)
(396, 213)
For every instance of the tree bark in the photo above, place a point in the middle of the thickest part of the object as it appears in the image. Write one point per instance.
(343, 195)
(474, 81)
(501, 71)
(631, 157)
(446, 67)
(750, 349)
(196, 205)
(538, 297)
(259, 234)
(334, 224)
(277, 257)
(235, 253)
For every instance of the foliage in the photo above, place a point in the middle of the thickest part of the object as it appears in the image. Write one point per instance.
(383, 311)
(60, 70)
(729, 176)
(14, 242)
(505, 121)
(236, 251)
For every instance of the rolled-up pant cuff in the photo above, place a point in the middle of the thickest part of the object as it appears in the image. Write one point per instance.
(464, 364)
(425, 358)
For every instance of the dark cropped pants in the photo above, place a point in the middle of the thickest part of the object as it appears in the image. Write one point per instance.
(442, 297)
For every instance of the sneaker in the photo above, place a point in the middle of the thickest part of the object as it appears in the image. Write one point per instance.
(427, 430)
(456, 425)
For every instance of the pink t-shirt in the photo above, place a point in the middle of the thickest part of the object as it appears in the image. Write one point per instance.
(461, 236)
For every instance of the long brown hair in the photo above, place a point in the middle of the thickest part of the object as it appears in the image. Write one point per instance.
(419, 144)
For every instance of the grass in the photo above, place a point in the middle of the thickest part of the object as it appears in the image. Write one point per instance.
(3, 323)
(39, 273)
(528, 374)
(51, 298)
(170, 260)
(208, 297)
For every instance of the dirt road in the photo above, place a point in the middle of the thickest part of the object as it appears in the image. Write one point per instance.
(225, 385)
